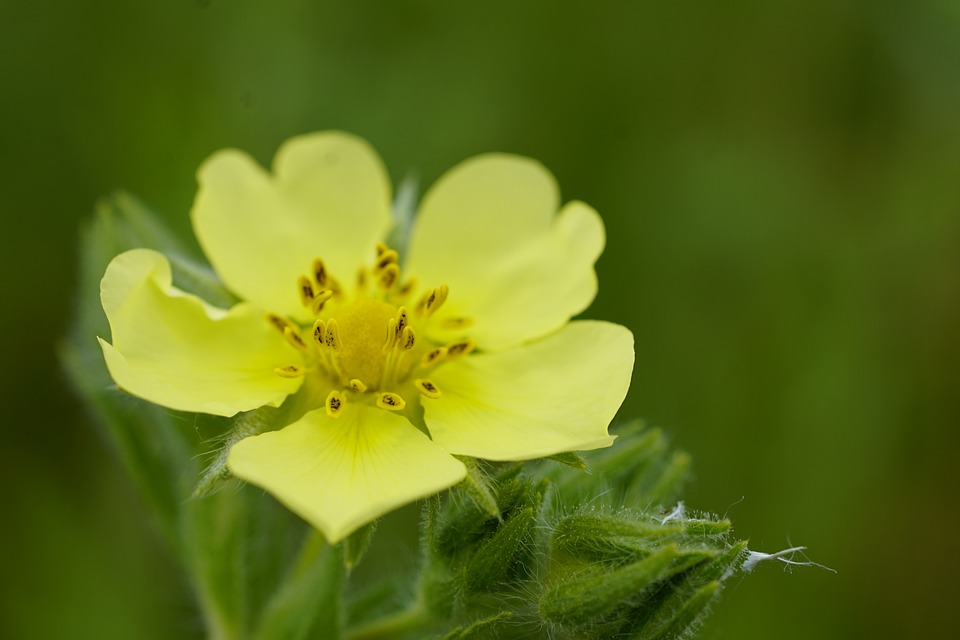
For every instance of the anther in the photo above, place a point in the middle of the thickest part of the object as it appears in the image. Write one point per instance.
(335, 403)
(458, 349)
(319, 331)
(385, 259)
(293, 337)
(357, 385)
(432, 301)
(388, 277)
(390, 401)
(331, 337)
(279, 322)
(408, 339)
(320, 299)
(320, 273)
(306, 290)
(427, 388)
(381, 249)
(433, 356)
(402, 321)
(458, 322)
(290, 371)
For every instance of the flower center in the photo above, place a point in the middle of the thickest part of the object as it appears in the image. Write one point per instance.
(363, 325)
(368, 344)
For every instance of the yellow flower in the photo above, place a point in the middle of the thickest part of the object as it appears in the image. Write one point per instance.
(462, 347)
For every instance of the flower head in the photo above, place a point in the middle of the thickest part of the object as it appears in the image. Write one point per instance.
(461, 346)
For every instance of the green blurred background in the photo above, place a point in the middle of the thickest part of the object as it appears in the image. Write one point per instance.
(781, 188)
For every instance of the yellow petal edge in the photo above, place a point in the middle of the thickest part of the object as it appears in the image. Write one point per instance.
(175, 350)
(553, 395)
(328, 197)
(339, 474)
(490, 229)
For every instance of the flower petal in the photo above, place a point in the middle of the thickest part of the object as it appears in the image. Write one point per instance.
(175, 350)
(329, 197)
(556, 394)
(339, 474)
(488, 229)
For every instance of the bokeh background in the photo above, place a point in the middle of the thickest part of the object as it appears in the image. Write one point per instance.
(781, 187)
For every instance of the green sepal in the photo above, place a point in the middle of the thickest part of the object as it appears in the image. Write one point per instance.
(588, 595)
(493, 562)
(466, 522)
(625, 536)
(477, 485)
(216, 474)
(355, 545)
(571, 459)
(684, 618)
(663, 618)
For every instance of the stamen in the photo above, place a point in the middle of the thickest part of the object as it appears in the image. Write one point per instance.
(306, 290)
(385, 259)
(320, 273)
(391, 335)
(432, 301)
(390, 401)
(319, 332)
(279, 322)
(293, 337)
(388, 277)
(331, 337)
(458, 349)
(320, 299)
(458, 322)
(408, 339)
(381, 249)
(433, 356)
(357, 385)
(290, 371)
(402, 321)
(335, 403)
(427, 388)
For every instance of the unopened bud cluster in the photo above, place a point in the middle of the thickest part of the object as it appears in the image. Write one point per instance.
(630, 566)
